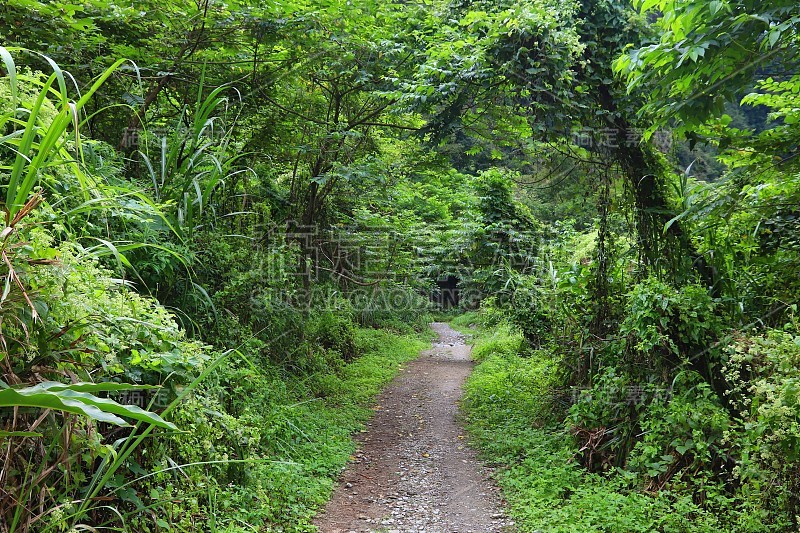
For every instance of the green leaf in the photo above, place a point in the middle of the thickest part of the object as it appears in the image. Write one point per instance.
(11, 71)
(100, 387)
(773, 36)
(648, 5)
(4, 434)
(70, 399)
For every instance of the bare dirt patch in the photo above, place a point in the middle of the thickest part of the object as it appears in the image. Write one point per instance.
(413, 471)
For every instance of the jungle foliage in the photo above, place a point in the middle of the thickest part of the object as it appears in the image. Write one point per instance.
(225, 221)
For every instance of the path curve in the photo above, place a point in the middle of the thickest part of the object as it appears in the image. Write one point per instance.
(413, 471)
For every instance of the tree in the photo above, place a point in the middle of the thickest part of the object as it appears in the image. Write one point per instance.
(541, 70)
(707, 53)
(326, 103)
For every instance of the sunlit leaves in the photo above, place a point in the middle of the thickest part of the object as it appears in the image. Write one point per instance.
(707, 51)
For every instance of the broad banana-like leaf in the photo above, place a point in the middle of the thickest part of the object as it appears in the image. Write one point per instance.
(78, 400)
(107, 386)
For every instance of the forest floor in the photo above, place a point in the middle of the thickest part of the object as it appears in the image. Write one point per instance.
(413, 471)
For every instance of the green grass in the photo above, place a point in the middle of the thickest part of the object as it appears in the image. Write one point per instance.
(301, 426)
(465, 321)
(513, 420)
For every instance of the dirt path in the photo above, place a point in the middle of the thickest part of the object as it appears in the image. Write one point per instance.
(413, 471)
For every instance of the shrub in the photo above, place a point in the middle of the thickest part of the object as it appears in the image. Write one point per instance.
(664, 324)
(683, 433)
(88, 327)
(508, 405)
(333, 330)
(764, 371)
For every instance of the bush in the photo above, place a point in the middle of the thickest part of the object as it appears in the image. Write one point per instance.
(669, 325)
(89, 327)
(261, 446)
(682, 435)
(393, 305)
(508, 406)
(603, 418)
(333, 330)
(764, 371)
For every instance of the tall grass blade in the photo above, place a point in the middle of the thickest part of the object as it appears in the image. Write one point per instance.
(11, 72)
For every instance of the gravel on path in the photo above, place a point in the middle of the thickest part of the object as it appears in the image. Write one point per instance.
(413, 471)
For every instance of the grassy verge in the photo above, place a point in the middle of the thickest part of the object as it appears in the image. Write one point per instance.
(515, 422)
(296, 433)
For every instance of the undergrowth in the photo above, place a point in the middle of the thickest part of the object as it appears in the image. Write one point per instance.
(295, 432)
(515, 415)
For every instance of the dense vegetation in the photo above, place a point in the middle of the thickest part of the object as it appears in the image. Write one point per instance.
(225, 222)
